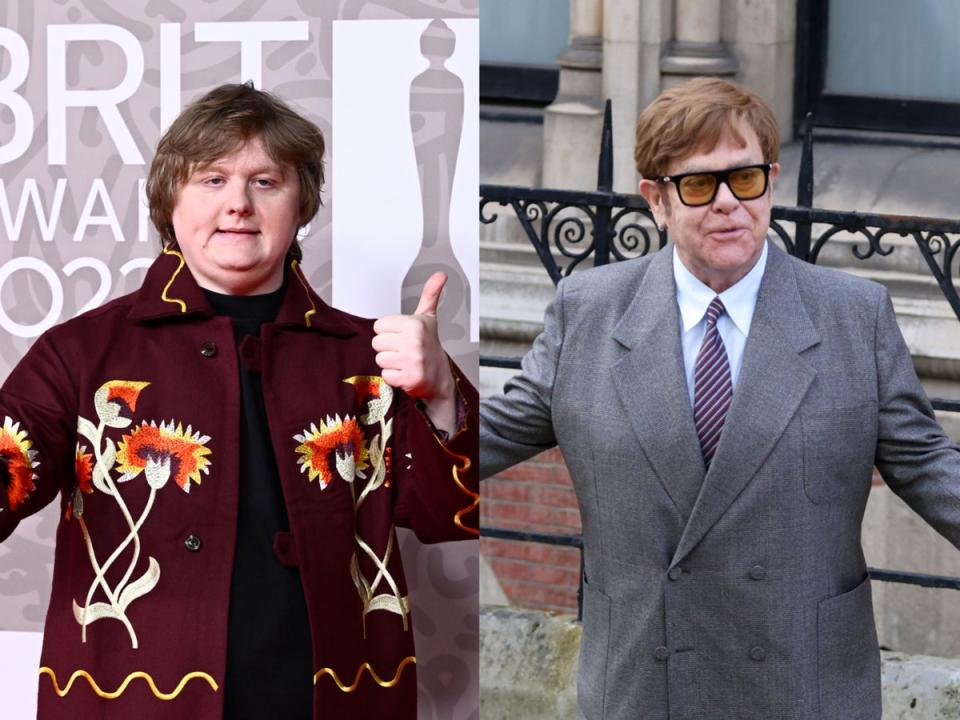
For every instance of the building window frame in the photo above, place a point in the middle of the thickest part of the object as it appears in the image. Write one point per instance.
(534, 85)
(855, 111)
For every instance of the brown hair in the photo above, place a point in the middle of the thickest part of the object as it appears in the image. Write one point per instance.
(219, 123)
(693, 116)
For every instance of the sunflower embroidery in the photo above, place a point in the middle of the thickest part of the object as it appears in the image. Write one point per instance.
(17, 463)
(158, 453)
(161, 452)
(360, 451)
(338, 440)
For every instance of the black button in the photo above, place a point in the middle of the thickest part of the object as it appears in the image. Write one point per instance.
(208, 349)
(758, 572)
(675, 573)
(661, 653)
(192, 543)
(758, 653)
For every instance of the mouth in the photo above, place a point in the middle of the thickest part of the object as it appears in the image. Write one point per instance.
(237, 231)
(726, 234)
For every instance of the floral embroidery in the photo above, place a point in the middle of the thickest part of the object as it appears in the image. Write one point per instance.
(160, 451)
(114, 396)
(341, 438)
(83, 474)
(376, 393)
(157, 452)
(357, 459)
(17, 462)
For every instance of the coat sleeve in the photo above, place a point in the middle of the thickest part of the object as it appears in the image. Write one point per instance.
(518, 423)
(436, 478)
(38, 435)
(914, 456)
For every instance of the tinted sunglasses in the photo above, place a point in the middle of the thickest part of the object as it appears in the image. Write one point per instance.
(700, 188)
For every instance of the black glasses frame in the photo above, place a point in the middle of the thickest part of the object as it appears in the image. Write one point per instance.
(721, 176)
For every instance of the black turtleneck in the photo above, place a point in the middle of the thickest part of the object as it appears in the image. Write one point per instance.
(269, 650)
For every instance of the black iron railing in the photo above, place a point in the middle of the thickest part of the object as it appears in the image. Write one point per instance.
(604, 225)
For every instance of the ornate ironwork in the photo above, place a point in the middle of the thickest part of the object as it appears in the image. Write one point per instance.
(635, 239)
(563, 220)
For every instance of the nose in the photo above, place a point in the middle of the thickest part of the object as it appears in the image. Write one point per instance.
(238, 202)
(725, 200)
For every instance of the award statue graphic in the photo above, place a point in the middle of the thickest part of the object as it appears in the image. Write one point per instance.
(436, 122)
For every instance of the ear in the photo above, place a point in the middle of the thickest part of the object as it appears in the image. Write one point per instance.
(653, 194)
(774, 170)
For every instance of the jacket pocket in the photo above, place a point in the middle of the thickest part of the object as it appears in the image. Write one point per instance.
(848, 656)
(594, 644)
(839, 445)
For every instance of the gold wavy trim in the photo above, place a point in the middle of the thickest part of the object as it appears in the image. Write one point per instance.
(295, 266)
(474, 497)
(163, 295)
(474, 504)
(126, 681)
(373, 673)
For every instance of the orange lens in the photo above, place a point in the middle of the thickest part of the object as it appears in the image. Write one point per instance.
(697, 189)
(748, 183)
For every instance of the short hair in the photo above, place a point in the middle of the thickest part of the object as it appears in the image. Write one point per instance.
(219, 123)
(693, 116)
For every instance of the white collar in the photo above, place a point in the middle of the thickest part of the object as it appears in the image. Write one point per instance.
(740, 299)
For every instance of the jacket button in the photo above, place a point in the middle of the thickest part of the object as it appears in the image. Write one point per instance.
(758, 653)
(675, 573)
(758, 572)
(192, 543)
(661, 653)
(208, 349)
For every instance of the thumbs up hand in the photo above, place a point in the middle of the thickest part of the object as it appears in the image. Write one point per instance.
(411, 358)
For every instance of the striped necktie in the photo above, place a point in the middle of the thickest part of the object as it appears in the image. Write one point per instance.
(712, 385)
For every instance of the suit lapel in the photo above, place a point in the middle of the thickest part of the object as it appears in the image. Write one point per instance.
(773, 381)
(651, 383)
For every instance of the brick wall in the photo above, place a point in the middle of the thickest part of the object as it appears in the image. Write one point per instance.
(536, 495)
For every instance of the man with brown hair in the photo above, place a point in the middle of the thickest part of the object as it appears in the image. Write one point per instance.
(721, 406)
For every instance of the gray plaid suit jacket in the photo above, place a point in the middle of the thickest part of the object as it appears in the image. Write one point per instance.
(739, 593)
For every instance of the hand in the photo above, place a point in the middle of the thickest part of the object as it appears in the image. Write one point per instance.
(411, 358)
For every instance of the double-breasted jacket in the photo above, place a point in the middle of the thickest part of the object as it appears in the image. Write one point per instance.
(738, 590)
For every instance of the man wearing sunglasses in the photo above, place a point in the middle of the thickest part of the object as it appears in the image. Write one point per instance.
(721, 407)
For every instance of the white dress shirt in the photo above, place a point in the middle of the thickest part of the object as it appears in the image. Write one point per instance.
(693, 298)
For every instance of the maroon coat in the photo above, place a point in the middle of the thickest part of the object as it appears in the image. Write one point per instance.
(131, 413)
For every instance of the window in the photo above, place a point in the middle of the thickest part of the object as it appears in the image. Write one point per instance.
(879, 64)
(519, 43)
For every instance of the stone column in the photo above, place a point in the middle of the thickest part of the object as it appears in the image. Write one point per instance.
(634, 32)
(696, 48)
(763, 37)
(572, 123)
